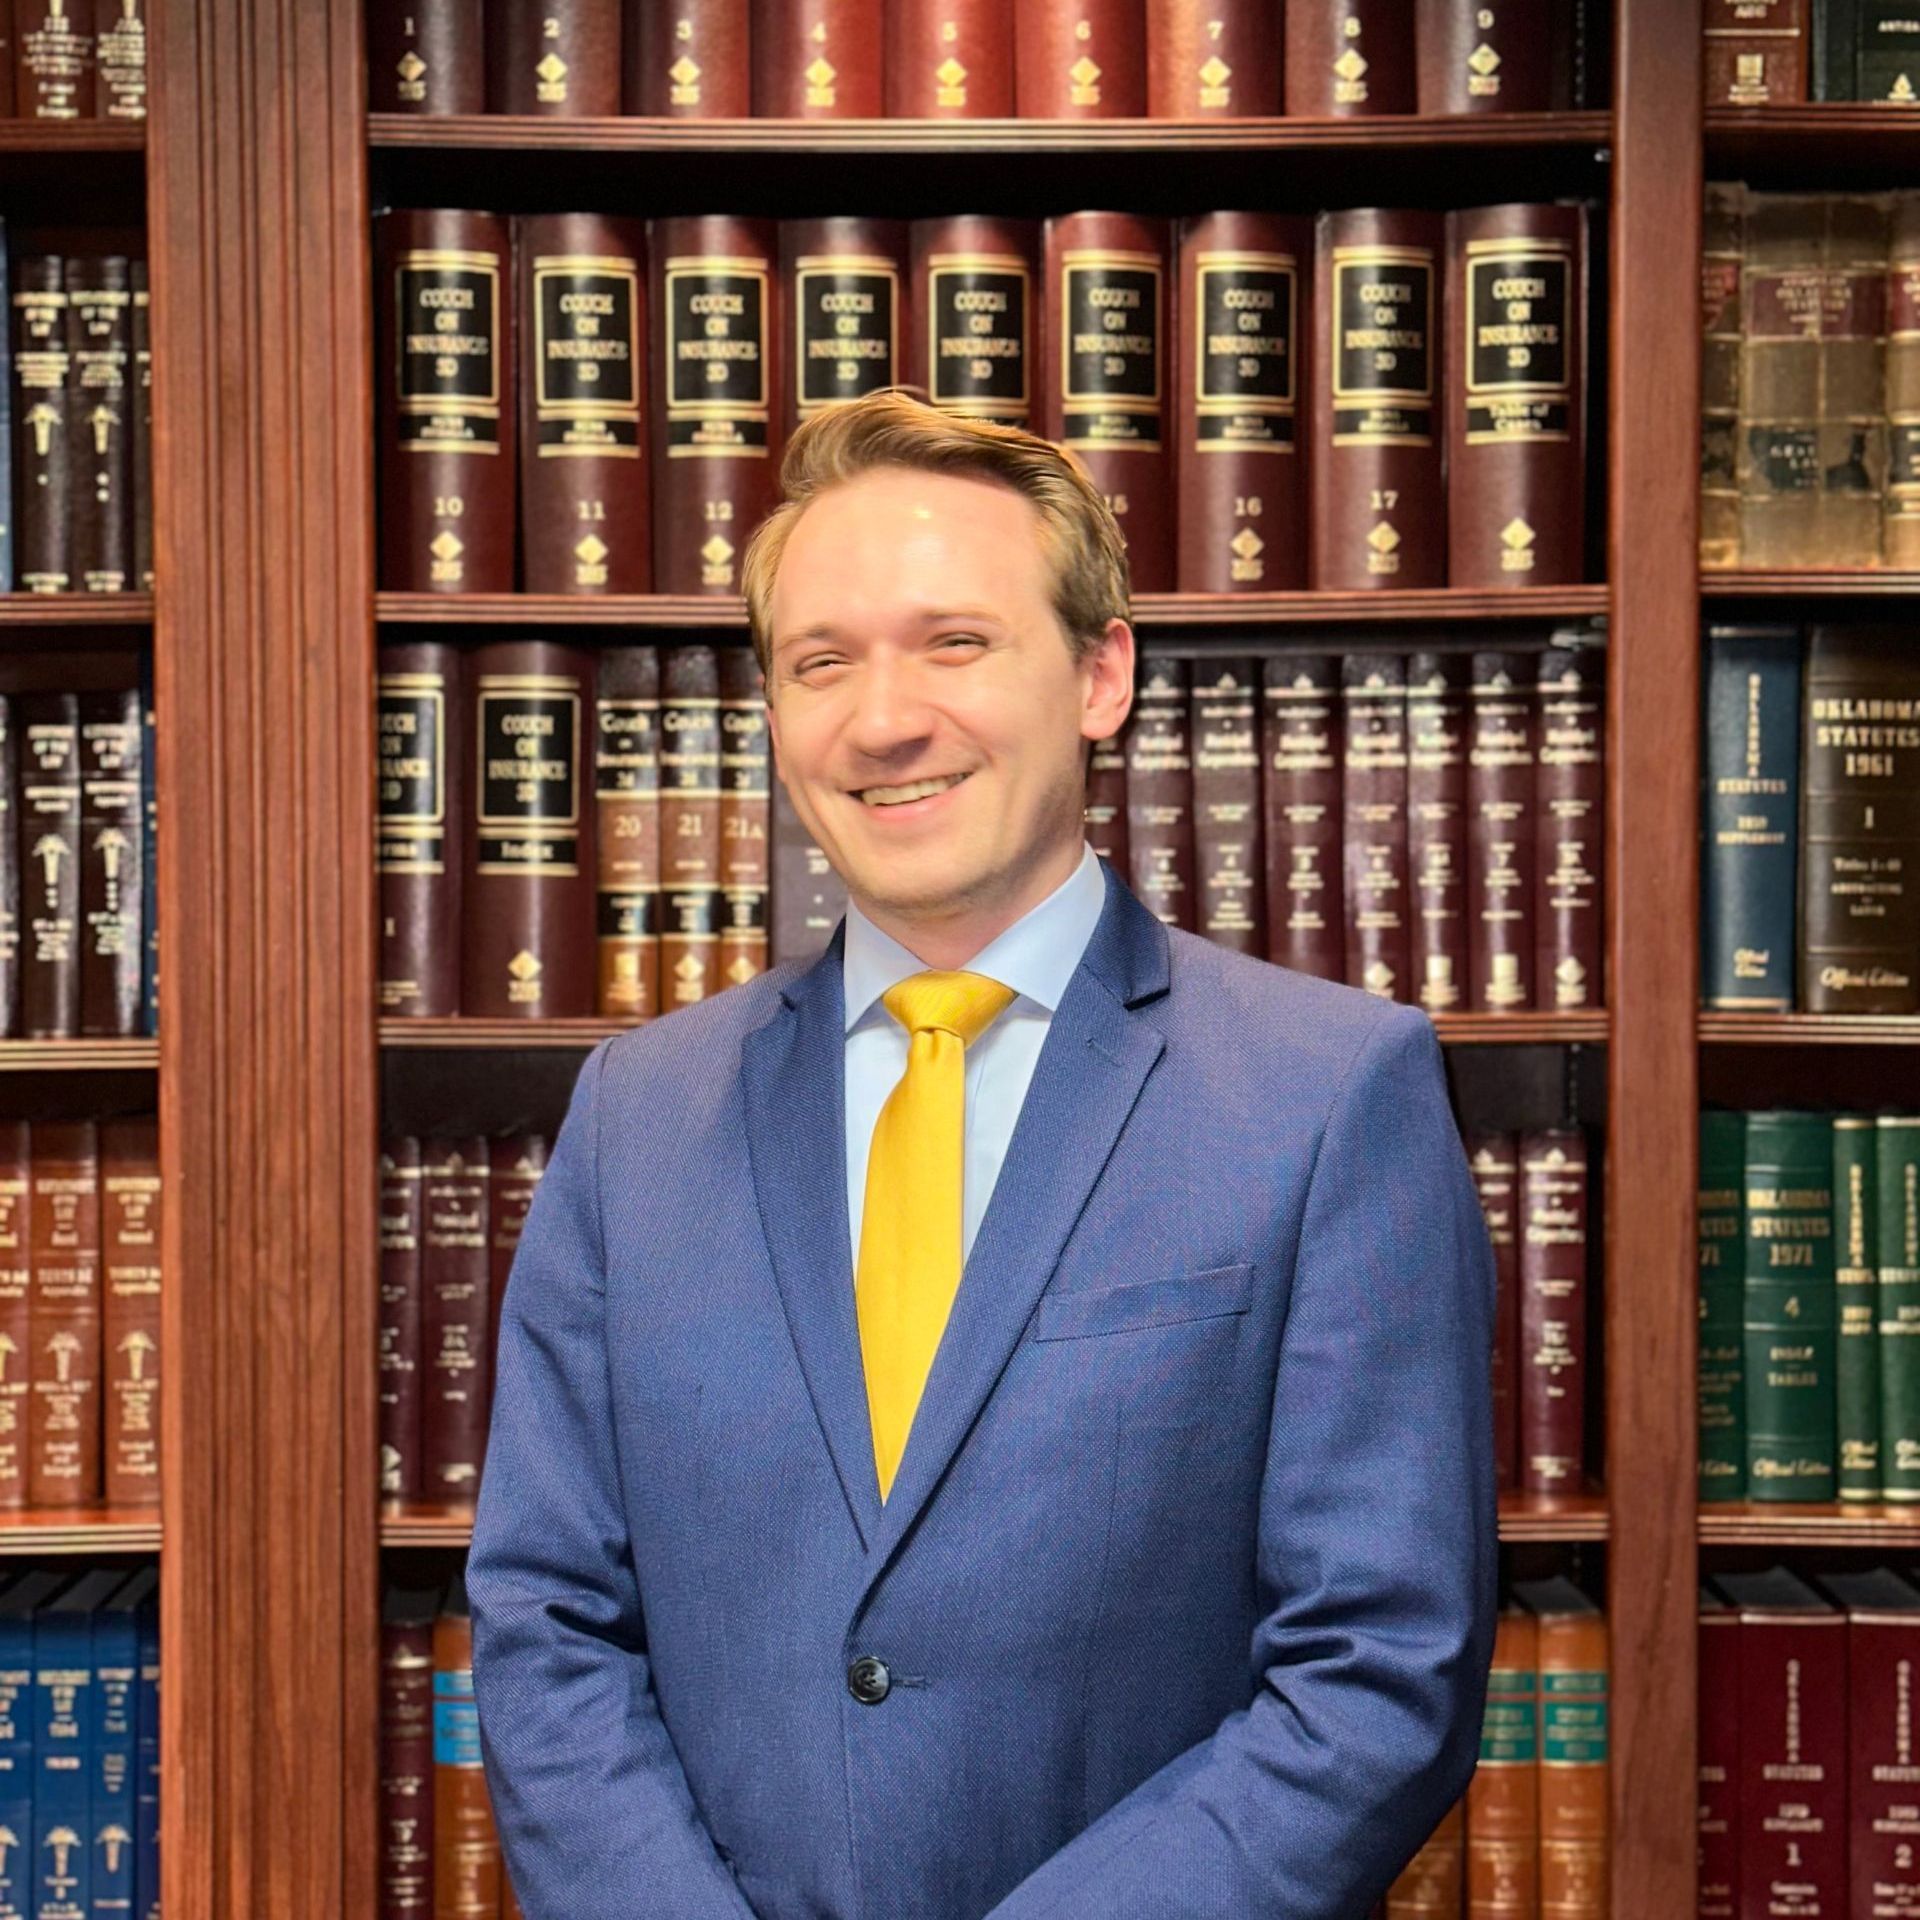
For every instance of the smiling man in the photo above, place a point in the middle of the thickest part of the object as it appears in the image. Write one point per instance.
(994, 1421)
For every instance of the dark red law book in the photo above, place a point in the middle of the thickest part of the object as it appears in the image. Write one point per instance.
(585, 524)
(1717, 1884)
(1437, 826)
(972, 290)
(1104, 337)
(1240, 486)
(1503, 834)
(518, 1161)
(688, 59)
(1378, 509)
(444, 308)
(843, 282)
(950, 59)
(16, 1329)
(553, 57)
(113, 898)
(626, 800)
(1485, 56)
(1302, 745)
(1213, 59)
(49, 829)
(100, 361)
(422, 799)
(1160, 790)
(1347, 57)
(808, 896)
(717, 396)
(130, 1207)
(1570, 797)
(120, 61)
(140, 428)
(1229, 857)
(455, 1360)
(426, 56)
(1106, 809)
(1553, 1309)
(407, 1615)
(527, 892)
(1379, 941)
(1516, 396)
(1494, 1157)
(11, 856)
(43, 426)
(690, 896)
(54, 59)
(746, 774)
(1755, 52)
(818, 60)
(1079, 59)
(63, 1458)
(401, 1198)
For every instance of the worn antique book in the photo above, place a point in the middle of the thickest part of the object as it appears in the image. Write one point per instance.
(687, 59)
(113, 895)
(426, 56)
(43, 426)
(1494, 1157)
(1570, 809)
(1722, 243)
(818, 59)
(1574, 1667)
(400, 1376)
(974, 284)
(1503, 1797)
(1229, 859)
(1213, 59)
(950, 59)
(407, 1614)
(1349, 57)
(626, 799)
(1303, 747)
(1079, 59)
(55, 59)
(1756, 52)
(120, 60)
(843, 281)
(1373, 693)
(421, 799)
(64, 1317)
(130, 1280)
(1553, 1310)
(1897, 1335)
(1856, 1280)
(1437, 826)
(559, 58)
(1503, 833)
(1160, 838)
(1718, 1723)
(456, 1361)
(100, 365)
(1720, 1356)
(1485, 56)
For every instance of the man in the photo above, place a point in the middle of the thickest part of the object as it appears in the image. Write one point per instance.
(995, 1420)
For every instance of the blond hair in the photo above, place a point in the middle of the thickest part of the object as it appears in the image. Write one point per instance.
(892, 429)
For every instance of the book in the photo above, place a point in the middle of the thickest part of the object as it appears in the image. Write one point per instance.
(1553, 1310)
(1494, 1159)
(139, 425)
(65, 1735)
(130, 1288)
(1160, 836)
(818, 59)
(1570, 808)
(809, 897)
(1856, 1280)
(1437, 826)
(843, 280)
(746, 872)
(1302, 735)
(1832, 50)
(99, 360)
(455, 1360)
(1503, 1797)
(1721, 1349)
(149, 851)
(1229, 860)
(64, 1315)
(1431, 1884)
(514, 1169)
(691, 902)
(23, 1596)
(949, 59)
(467, 1875)
(401, 1380)
(1105, 813)
(1373, 791)
(1886, 52)
(407, 1787)
(143, 1592)
(113, 1771)
(1718, 1758)
(1756, 52)
(10, 865)
(1484, 56)
(1900, 526)
(120, 59)
(16, 1331)
(1503, 833)
(1217, 60)
(426, 56)
(971, 348)
(43, 425)
(54, 59)
(1897, 1332)
(49, 854)
(112, 877)
(553, 57)
(420, 742)
(687, 59)
(626, 790)
(1722, 242)
(1575, 1663)
(1079, 59)
(1349, 57)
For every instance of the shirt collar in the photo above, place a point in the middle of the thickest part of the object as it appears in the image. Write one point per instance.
(1036, 956)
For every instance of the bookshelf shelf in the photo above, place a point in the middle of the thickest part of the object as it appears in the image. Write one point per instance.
(1747, 1523)
(79, 1056)
(1809, 138)
(80, 1530)
(18, 610)
(1811, 1029)
(73, 136)
(1797, 583)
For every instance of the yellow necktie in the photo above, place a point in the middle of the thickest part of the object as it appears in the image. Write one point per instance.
(911, 1229)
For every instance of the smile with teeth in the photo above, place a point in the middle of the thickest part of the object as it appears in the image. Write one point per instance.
(915, 790)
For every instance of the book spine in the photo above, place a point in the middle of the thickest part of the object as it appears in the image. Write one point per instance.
(1378, 511)
(1789, 1307)
(1240, 484)
(626, 798)
(1900, 528)
(1856, 1280)
(1303, 743)
(113, 1775)
(817, 59)
(843, 281)
(585, 525)
(1574, 1665)
(745, 866)
(1897, 1239)
(1887, 52)
(1079, 59)
(10, 861)
(63, 1460)
(1720, 1374)
(100, 337)
(1484, 56)
(971, 348)
(1373, 786)
(421, 826)
(467, 1877)
(1553, 1310)
(17, 1709)
(950, 59)
(717, 442)
(527, 890)
(54, 59)
(402, 1198)
(139, 430)
(1516, 396)
(1832, 54)
(1878, 1792)
(426, 56)
(1230, 862)
(1349, 58)
(517, 1164)
(130, 1282)
(406, 1771)
(1503, 1803)
(446, 348)
(1437, 826)
(808, 896)
(49, 816)
(688, 59)
(16, 1328)
(1431, 1885)
(1106, 809)
(62, 1763)
(149, 856)
(1570, 794)
(1722, 230)
(1755, 52)
(1503, 835)
(454, 1316)
(1495, 1161)
(43, 425)
(690, 799)
(1212, 59)
(111, 882)
(1160, 838)
(555, 58)
(146, 1799)
(11, 453)
(1718, 1883)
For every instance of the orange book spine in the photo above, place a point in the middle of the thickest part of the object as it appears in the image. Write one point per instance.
(16, 1337)
(63, 1462)
(1573, 1766)
(130, 1230)
(1431, 1887)
(467, 1875)
(1503, 1809)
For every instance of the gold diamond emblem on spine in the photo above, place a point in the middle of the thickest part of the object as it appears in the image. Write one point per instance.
(717, 550)
(741, 971)
(1351, 65)
(1383, 539)
(1247, 544)
(445, 548)
(592, 555)
(1483, 59)
(950, 78)
(717, 559)
(685, 90)
(1483, 72)
(1213, 82)
(411, 65)
(820, 78)
(1516, 542)
(523, 979)
(552, 76)
(1085, 75)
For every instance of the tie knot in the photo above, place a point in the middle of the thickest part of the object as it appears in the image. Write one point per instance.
(964, 1004)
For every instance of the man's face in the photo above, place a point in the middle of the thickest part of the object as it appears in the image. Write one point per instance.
(914, 641)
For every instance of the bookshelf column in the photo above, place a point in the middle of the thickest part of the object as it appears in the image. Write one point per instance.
(264, 669)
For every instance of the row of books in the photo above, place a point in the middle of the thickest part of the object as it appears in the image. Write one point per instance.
(80, 1744)
(1763, 53)
(1806, 1745)
(73, 60)
(1810, 833)
(1379, 398)
(971, 59)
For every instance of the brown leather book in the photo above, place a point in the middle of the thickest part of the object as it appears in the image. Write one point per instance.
(63, 1459)
(688, 59)
(1229, 857)
(1079, 59)
(843, 281)
(1379, 949)
(456, 1363)
(467, 1875)
(526, 895)
(1103, 335)
(100, 359)
(1433, 1883)
(1570, 797)
(1718, 1881)
(1516, 396)
(1106, 809)
(113, 901)
(1160, 790)
(818, 60)
(690, 896)
(950, 59)
(1349, 57)
(1241, 488)
(972, 291)
(140, 428)
(10, 864)
(808, 896)
(1883, 1637)
(407, 1615)
(1485, 56)
(553, 57)
(402, 1196)
(1302, 747)
(1213, 59)
(444, 308)
(120, 60)
(1900, 528)
(746, 875)
(16, 1308)
(1503, 835)
(1494, 1158)
(49, 828)
(626, 798)
(1553, 1309)
(130, 1208)
(1378, 509)
(422, 798)
(426, 56)
(717, 396)
(43, 428)
(1755, 52)
(1437, 827)
(1574, 1671)
(585, 522)
(518, 1161)
(54, 59)
(1503, 1797)
(1722, 227)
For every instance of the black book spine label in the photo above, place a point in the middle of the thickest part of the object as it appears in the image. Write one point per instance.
(1110, 350)
(979, 321)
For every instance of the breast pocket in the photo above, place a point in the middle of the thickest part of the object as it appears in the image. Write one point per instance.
(1212, 1293)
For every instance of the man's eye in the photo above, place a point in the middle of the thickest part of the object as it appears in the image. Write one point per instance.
(965, 639)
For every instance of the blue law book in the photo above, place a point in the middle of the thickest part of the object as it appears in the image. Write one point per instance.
(146, 1796)
(18, 1601)
(149, 839)
(112, 1818)
(63, 1742)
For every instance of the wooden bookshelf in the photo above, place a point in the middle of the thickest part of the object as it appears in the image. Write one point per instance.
(80, 1530)
(1808, 583)
(1793, 1528)
(79, 1056)
(1810, 1029)
(29, 611)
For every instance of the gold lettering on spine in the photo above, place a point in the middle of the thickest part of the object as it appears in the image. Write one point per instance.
(714, 426)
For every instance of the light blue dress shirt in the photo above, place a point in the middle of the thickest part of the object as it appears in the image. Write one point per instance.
(1036, 956)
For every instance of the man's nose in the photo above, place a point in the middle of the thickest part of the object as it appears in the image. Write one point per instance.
(890, 706)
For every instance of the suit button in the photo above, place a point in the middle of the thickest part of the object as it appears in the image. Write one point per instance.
(869, 1681)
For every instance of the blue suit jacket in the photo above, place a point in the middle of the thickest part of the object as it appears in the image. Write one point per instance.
(1186, 1585)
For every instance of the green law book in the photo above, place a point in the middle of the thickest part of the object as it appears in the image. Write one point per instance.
(1789, 1306)
(1723, 1425)
(1856, 1280)
(1897, 1176)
